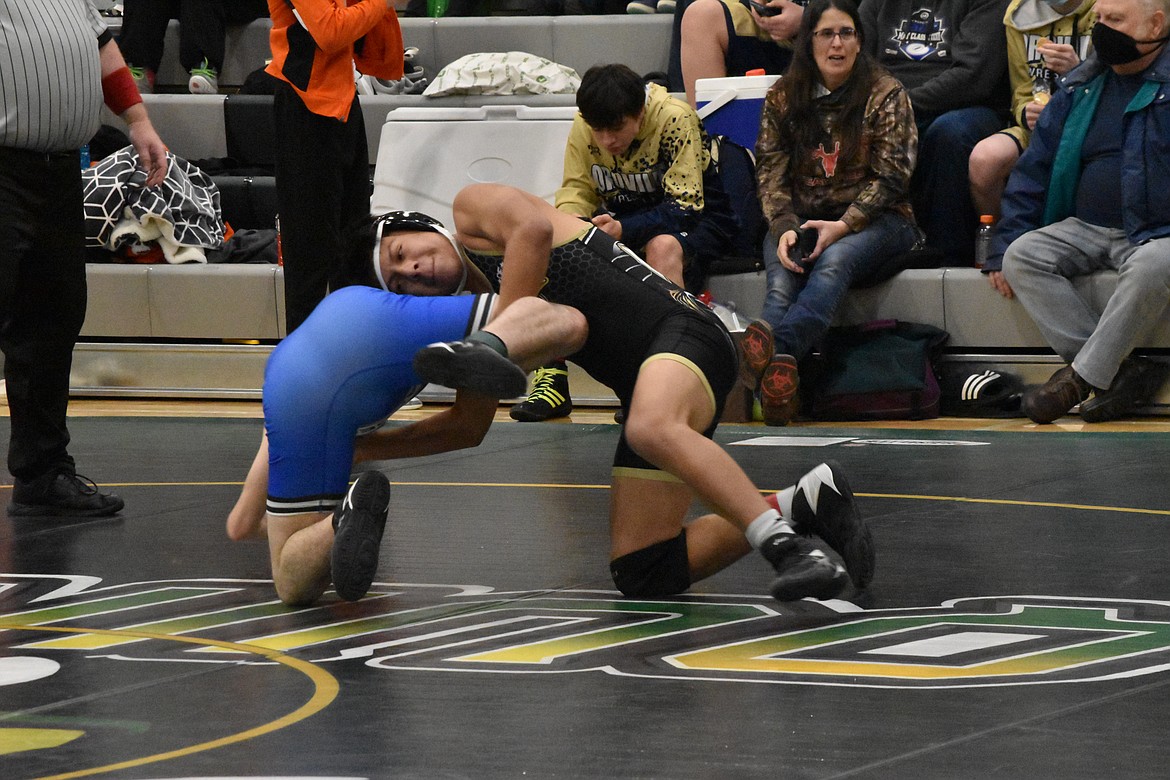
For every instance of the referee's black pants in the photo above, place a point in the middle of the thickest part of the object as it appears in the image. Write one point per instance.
(42, 301)
(322, 186)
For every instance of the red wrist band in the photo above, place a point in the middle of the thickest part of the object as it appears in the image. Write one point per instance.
(119, 91)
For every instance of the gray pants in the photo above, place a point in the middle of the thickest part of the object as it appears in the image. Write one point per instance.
(1040, 266)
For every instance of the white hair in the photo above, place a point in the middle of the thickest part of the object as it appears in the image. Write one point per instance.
(1156, 5)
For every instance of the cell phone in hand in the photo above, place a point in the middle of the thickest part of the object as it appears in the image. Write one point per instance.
(764, 10)
(806, 242)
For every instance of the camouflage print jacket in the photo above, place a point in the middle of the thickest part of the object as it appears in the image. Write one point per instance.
(818, 184)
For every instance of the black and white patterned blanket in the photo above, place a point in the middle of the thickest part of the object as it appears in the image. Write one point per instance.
(182, 214)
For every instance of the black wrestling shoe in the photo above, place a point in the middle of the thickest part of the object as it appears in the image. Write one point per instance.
(823, 504)
(802, 569)
(549, 397)
(470, 365)
(62, 493)
(357, 534)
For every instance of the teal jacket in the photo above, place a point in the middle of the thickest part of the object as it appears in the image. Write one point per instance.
(1042, 187)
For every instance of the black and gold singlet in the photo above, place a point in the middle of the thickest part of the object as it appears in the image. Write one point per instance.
(623, 299)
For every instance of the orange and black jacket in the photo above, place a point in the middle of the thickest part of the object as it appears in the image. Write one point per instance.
(315, 44)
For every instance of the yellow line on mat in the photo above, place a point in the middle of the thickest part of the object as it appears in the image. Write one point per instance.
(561, 486)
(325, 691)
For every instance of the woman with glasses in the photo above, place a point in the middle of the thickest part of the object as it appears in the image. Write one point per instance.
(835, 153)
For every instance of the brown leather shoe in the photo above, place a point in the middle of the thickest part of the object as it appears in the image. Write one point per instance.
(1135, 384)
(756, 347)
(1053, 399)
(778, 390)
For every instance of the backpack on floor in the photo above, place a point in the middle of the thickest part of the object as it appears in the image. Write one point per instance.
(881, 370)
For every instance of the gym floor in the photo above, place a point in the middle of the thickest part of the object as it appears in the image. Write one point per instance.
(1018, 625)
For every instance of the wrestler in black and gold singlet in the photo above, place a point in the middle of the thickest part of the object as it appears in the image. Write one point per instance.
(634, 313)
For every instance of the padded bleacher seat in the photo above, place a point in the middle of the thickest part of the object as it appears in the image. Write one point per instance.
(916, 296)
(193, 301)
(641, 42)
(119, 301)
(458, 36)
(186, 301)
(980, 318)
(192, 126)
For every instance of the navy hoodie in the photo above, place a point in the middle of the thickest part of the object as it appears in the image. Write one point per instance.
(948, 53)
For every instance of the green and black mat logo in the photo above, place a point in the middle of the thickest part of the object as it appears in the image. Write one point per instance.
(987, 641)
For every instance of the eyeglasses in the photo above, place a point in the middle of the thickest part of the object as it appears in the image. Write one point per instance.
(826, 36)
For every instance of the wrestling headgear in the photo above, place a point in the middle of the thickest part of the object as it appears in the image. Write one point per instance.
(393, 221)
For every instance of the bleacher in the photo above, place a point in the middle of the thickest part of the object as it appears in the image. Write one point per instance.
(205, 330)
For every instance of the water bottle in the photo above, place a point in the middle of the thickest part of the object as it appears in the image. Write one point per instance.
(85, 161)
(983, 239)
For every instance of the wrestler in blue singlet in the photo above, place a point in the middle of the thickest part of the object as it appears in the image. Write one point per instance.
(348, 365)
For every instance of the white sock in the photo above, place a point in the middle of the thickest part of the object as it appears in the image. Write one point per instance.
(784, 501)
(765, 526)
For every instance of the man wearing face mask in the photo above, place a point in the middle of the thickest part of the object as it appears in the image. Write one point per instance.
(1068, 213)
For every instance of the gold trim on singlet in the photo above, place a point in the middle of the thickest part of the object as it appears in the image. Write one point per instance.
(629, 472)
(694, 369)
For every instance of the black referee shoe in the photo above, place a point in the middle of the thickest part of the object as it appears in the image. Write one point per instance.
(62, 492)
(357, 534)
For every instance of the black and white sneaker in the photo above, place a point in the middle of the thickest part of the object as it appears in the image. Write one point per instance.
(357, 534)
(824, 505)
(470, 365)
(802, 569)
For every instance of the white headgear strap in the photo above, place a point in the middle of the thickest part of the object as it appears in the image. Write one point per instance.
(377, 259)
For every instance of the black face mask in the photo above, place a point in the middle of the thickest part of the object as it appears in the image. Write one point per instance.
(1114, 47)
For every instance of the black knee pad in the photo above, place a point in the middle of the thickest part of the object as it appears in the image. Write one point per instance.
(658, 570)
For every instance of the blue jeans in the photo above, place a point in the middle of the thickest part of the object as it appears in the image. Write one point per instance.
(941, 187)
(800, 307)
